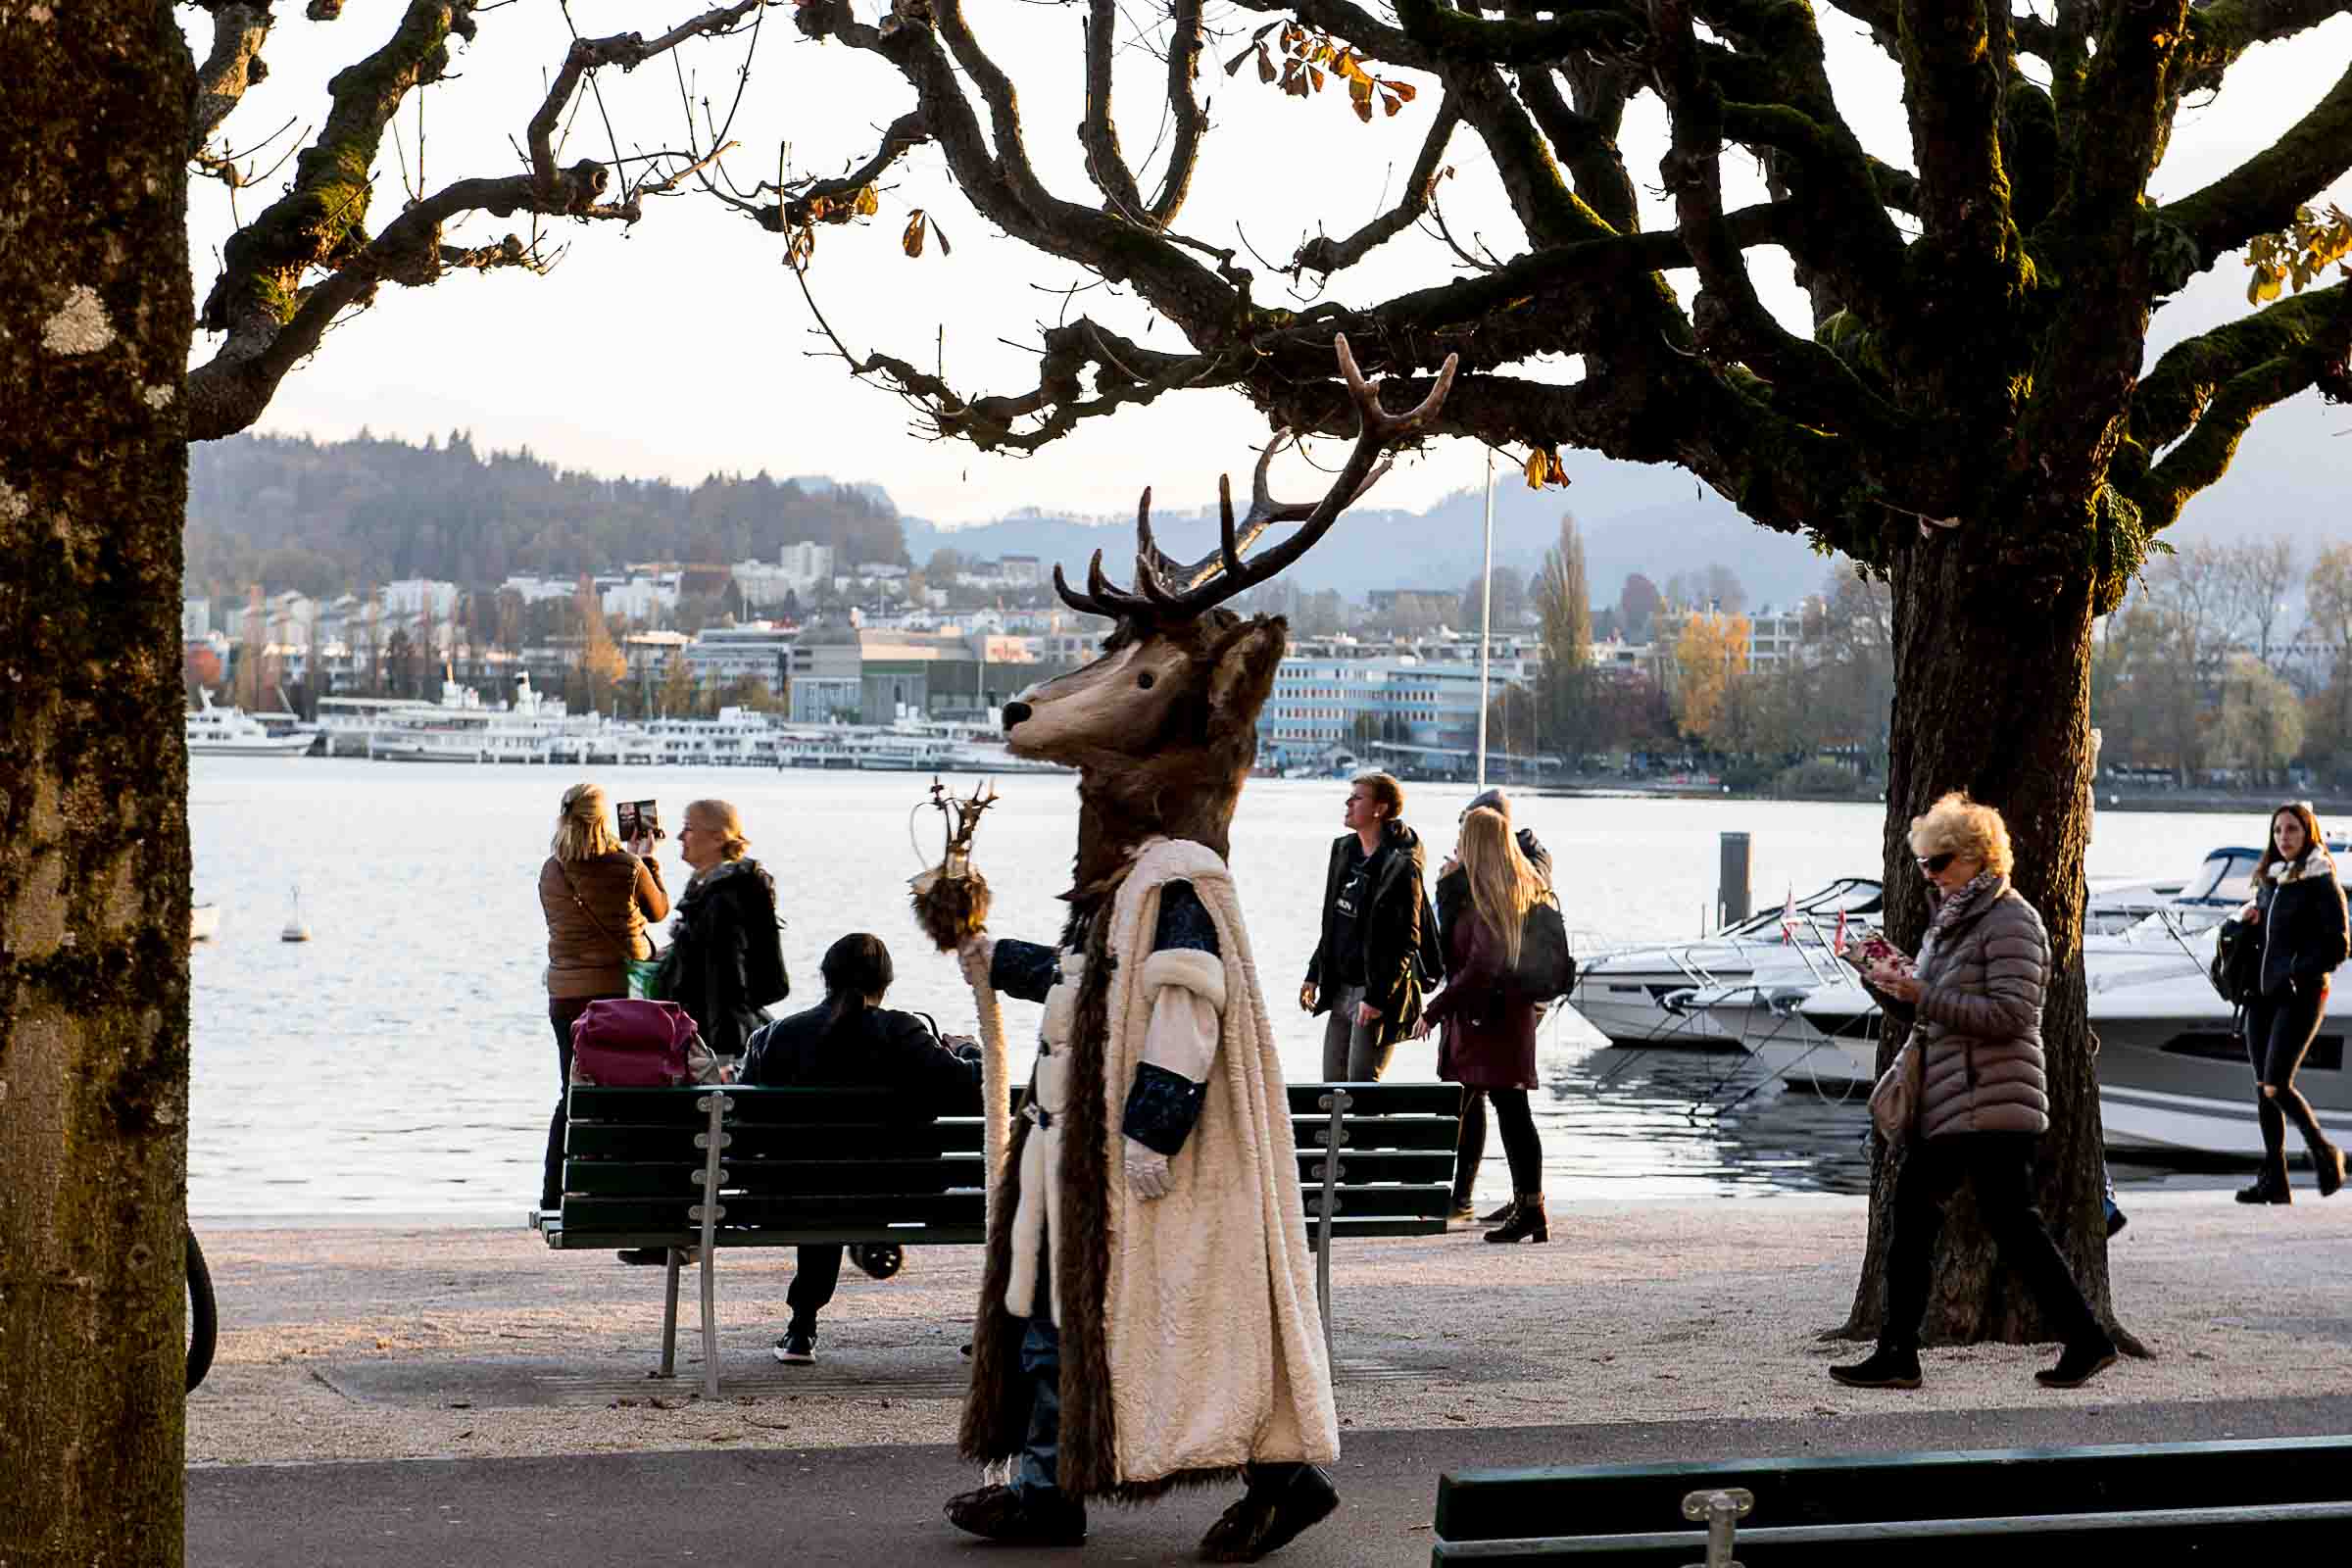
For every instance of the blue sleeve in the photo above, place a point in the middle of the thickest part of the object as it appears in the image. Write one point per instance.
(1163, 1105)
(1023, 969)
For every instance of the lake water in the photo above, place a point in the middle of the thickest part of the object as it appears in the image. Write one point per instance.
(399, 1063)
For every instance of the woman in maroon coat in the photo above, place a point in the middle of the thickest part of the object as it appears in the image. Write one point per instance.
(1490, 1039)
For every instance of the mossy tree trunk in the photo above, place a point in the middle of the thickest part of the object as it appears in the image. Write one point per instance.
(1993, 697)
(96, 107)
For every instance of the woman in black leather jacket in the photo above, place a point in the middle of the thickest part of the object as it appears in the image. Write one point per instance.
(2299, 905)
(726, 957)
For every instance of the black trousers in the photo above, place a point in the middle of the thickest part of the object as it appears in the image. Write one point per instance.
(1520, 1143)
(813, 1281)
(1999, 1166)
(562, 1013)
(2279, 1031)
(1471, 1151)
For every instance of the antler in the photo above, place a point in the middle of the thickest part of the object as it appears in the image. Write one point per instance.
(1171, 590)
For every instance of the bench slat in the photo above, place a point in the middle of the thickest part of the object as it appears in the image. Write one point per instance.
(1401, 1131)
(835, 1178)
(1850, 1489)
(2165, 1535)
(1381, 1099)
(839, 1140)
(583, 1236)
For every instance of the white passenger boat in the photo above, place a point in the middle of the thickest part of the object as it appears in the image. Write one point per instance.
(233, 732)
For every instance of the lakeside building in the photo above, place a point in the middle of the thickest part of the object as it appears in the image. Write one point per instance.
(761, 650)
(1323, 704)
(874, 674)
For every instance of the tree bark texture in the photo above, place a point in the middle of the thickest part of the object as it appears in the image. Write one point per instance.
(1993, 697)
(96, 107)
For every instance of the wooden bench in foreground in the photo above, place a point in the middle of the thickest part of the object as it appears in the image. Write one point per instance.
(2148, 1505)
(794, 1166)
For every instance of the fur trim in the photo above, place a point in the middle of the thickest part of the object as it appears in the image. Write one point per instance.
(1191, 969)
(2310, 863)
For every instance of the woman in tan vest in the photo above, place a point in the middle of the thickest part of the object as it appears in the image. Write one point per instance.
(598, 897)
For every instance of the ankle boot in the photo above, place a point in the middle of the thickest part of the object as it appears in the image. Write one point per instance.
(1502, 1215)
(1526, 1222)
(1889, 1366)
(2328, 1161)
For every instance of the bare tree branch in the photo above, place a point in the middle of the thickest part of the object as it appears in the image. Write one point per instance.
(2260, 196)
(1187, 38)
(1105, 165)
(1324, 255)
(234, 64)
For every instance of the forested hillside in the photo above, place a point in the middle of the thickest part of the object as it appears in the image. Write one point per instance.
(331, 517)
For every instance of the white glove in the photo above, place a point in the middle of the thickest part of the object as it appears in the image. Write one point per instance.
(1146, 1172)
(975, 953)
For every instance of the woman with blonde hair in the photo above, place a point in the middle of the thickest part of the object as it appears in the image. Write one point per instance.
(726, 956)
(2298, 905)
(598, 896)
(1974, 995)
(1490, 1039)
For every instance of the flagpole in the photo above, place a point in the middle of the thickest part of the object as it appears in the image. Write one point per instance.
(1486, 620)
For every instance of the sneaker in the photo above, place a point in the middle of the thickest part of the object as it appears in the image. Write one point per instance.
(798, 1346)
(2262, 1192)
(2078, 1364)
(1885, 1368)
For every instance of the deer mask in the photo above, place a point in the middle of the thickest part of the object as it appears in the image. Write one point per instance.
(1162, 727)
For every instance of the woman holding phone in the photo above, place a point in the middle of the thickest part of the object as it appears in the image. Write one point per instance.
(598, 895)
(2298, 906)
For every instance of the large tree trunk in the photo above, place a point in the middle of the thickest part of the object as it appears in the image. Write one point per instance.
(96, 106)
(1993, 682)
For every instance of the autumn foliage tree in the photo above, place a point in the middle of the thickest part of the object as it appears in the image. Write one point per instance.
(1966, 404)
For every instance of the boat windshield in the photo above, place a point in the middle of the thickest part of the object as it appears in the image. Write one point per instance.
(1852, 895)
(2225, 877)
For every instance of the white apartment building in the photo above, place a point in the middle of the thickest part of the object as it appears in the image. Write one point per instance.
(537, 590)
(643, 597)
(421, 596)
(758, 651)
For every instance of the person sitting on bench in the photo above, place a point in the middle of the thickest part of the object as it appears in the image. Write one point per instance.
(852, 1041)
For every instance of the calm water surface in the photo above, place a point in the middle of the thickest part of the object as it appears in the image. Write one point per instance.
(399, 1062)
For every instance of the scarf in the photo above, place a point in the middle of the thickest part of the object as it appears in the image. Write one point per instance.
(1981, 889)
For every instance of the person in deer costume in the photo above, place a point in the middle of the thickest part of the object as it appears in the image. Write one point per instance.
(1147, 1317)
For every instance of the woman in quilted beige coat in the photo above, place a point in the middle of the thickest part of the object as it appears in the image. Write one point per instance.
(1976, 996)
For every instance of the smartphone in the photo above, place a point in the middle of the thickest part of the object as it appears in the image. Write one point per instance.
(636, 818)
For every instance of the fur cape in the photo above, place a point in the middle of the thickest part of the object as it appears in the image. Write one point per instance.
(1191, 1343)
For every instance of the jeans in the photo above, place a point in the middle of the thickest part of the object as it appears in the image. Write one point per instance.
(1521, 1144)
(561, 1013)
(2000, 1167)
(1351, 1054)
(2279, 1031)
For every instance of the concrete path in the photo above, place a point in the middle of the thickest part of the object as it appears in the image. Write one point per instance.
(881, 1504)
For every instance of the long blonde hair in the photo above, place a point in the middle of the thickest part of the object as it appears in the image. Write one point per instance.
(582, 830)
(719, 817)
(1503, 887)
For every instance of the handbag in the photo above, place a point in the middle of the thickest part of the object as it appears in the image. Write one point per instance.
(633, 1044)
(1894, 1099)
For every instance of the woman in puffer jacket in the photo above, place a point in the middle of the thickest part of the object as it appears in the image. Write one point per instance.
(2299, 905)
(1975, 994)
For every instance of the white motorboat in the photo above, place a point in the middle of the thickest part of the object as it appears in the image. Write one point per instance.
(233, 732)
(1623, 993)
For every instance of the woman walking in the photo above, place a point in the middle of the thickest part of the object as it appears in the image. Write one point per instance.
(2299, 905)
(1977, 995)
(726, 957)
(1490, 1039)
(597, 897)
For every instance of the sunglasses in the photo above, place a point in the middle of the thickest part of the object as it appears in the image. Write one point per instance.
(1933, 865)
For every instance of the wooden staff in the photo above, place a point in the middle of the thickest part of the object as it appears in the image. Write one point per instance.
(951, 903)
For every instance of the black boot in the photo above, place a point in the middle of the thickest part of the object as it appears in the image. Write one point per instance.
(2079, 1364)
(2270, 1185)
(2329, 1161)
(1502, 1216)
(1283, 1501)
(1889, 1366)
(1000, 1513)
(1526, 1222)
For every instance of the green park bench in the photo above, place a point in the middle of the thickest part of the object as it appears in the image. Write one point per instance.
(796, 1166)
(2276, 1500)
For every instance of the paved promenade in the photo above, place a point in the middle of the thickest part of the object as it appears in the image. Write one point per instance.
(420, 1396)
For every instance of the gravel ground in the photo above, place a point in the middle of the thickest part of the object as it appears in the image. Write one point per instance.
(418, 1342)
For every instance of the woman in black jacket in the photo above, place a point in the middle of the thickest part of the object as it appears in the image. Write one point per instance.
(726, 957)
(1379, 939)
(851, 1042)
(2299, 904)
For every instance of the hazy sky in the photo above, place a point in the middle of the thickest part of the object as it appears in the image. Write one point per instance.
(683, 346)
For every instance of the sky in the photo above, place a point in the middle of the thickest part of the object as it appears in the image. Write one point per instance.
(683, 347)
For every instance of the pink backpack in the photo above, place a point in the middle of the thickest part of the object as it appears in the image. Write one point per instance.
(632, 1044)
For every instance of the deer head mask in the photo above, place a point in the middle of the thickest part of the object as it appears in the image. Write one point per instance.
(1162, 727)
